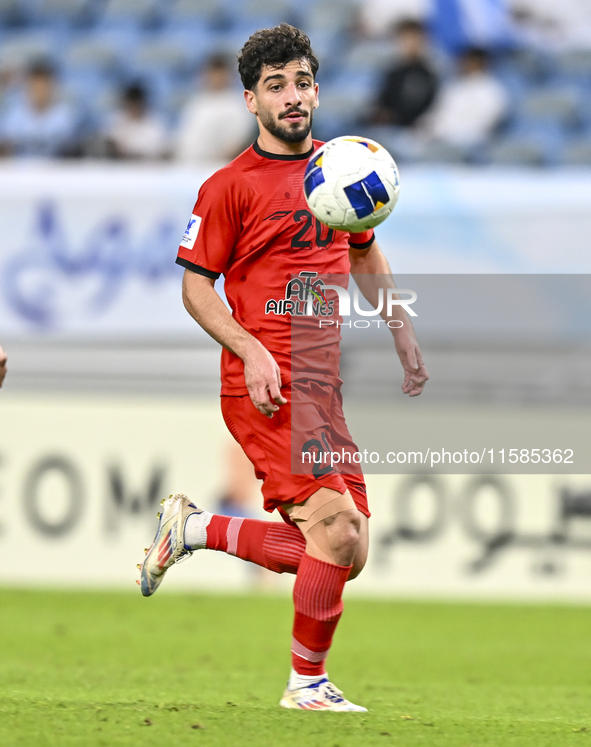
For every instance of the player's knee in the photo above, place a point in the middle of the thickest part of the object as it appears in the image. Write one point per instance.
(362, 550)
(358, 564)
(343, 530)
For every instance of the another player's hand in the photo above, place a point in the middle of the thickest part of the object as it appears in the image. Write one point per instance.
(263, 379)
(415, 373)
(3, 359)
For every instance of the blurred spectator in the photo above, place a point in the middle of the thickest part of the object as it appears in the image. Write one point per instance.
(470, 106)
(134, 132)
(38, 122)
(458, 24)
(3, 359)
(215, 124)
(551, 24)
(9, 85)
(379, 16)
(453, 24)
(409, 86)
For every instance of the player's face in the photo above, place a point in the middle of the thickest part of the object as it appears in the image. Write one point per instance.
(284, 100)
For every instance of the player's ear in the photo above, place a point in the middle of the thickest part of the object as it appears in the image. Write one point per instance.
(250, 98)
(316, 102)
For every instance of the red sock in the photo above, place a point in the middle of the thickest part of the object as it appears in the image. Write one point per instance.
(318, 606)
(278, 547)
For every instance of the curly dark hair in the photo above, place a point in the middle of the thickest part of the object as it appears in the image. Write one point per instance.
(275, 47)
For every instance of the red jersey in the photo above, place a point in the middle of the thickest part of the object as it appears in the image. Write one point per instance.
(252, 224)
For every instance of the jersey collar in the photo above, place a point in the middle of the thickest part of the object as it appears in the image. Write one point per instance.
(278, 157)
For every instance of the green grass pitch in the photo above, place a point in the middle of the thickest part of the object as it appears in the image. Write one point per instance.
(116, 669)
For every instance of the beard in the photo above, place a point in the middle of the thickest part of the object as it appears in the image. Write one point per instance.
(287, 132)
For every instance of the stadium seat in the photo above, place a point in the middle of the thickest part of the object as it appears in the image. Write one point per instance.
(15, 13)
(558, 105)
(438, 152)
(23, 46)
(139, 13)
(326, 48)
(183, 13)
(256, 14)
(369, 55)
(337, 113)
(101, 44)
(516, 151)
(585, 113)
(335, 16)
(62, 13)
(91, 53)
(194, 41)
(575, 63)
(514, 82)
(533, 65)
(122, 39)
(164, 54)
(89, 92)
(172, 101)
(348, 92)
(577, 153)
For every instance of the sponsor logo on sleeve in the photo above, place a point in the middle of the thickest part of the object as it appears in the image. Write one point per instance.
(191, 231)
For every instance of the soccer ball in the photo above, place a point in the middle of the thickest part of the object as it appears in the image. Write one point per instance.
(351, 184)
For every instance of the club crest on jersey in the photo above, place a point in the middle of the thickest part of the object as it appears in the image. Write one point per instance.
(300, 292)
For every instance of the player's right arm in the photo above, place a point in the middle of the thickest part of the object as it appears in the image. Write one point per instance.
(261, 372)
(3, 359)
(205, 252)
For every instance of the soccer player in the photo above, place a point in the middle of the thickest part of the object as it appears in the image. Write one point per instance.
(3, 359)
(251, 224)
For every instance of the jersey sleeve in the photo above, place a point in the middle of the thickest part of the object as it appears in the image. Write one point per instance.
(362, 240)
(213, 229)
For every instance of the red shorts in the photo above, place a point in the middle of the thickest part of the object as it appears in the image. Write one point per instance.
(275, 449)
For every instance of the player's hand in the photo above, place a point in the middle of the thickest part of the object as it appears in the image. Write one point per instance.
(415, 373)
(263, 379)
(3, 359)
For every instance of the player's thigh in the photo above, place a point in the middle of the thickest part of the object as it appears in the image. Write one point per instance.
(267, 442)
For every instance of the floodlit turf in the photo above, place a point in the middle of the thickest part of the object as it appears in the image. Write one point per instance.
(116, 669)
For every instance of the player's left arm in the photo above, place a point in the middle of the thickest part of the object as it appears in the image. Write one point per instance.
(371, 271)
